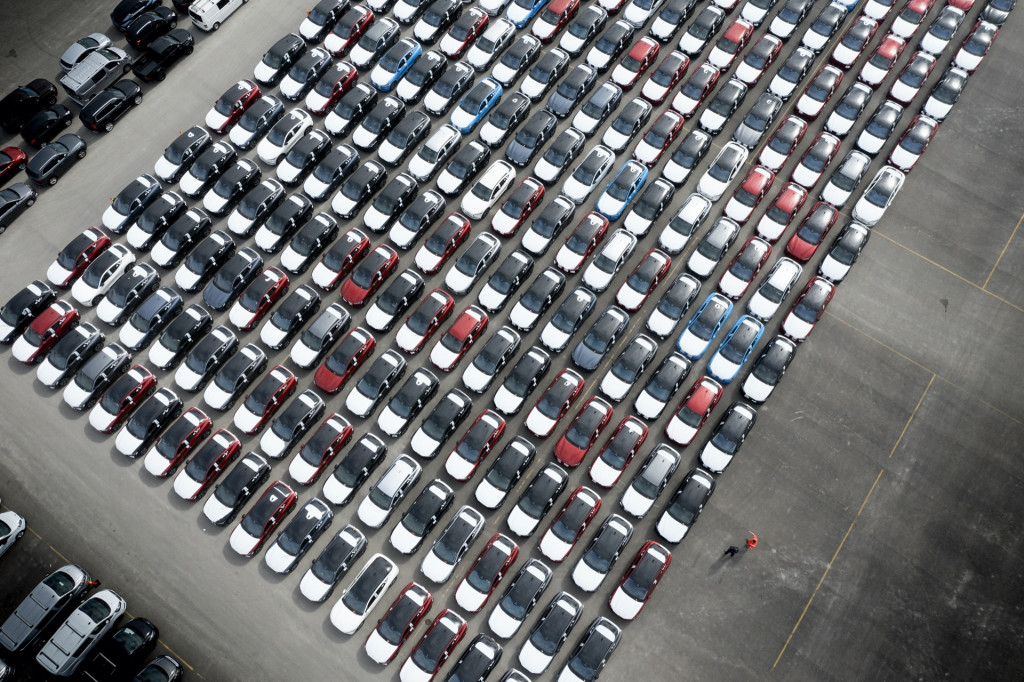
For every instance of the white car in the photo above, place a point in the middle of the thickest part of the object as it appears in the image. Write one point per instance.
(774, 288)
(493, 183)
(681, 513)
(391, 422)
(943, 96)
(878, 9)
(712, 247)
(363, 593)
(334, 561)
(389, 490)
(287, 549)
(878, 195)
(603, 551)
(589, 117)
(434, 152)
(218, 340)
(101, 416)
(207, 463)
(651, 562)
(245, 420)
(767, 370)
(12, 527)
(684, 224)
(727, 437)
(514, 458)
(941, 31)
(844, 252)
(588, 174)
(722, 171)
(609, 260)
(101, 274)
(486, 48)
(637, 12)
(284, 135)
(519, 597)
(326, 328)
(564, 608)
(648, 483)
(452, 544)
(192, 426)
(471, 595)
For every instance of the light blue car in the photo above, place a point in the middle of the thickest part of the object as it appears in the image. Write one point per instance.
(704, 326)
(395, 63)
(521, 11)
(481, 98)
(735, 349)
(622, 190)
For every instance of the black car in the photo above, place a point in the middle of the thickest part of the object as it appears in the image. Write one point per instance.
(446, 417)
(289, 317)
(179, 156)
(378, 123)
(566, 147)
(516, 60)
(156, 219)
(359, 189)
(329, 326)
(586, 25)
(477, 661)
(423, 515)
(236, 488)
(600, 105)
(151, 317)
(255, 207)
(55, 159)
(438, 17)
(539, 497)
(572, 89)
(405, 138)
(257, 121)
(235, 376)
(568, 318)
(649, 206)
(24, 102)
(306, 71)
(465, 165)
(450, 87)
(594, 650)
(204, 260)
(292, 423)
(503, 474)
(284, 222)
(332, 170)
(725, 103)
(162, 54)
(600, 338)
(355, 469)
(524, 377)
(322, 18)
(128, 11)
(309, 151)
(148, 422)
(727, 436)
(97, 374)
(554, 218)
(371, 389)
(554, 625)
(392, 200)
(180, 336)
(232, 186)
(768, 369)
(881, 125)
(674, 304)
(164, 667)
(531, 137)
(548, 69)
(121, 653)
(333, 563)
(602, 552)
(14, 201)
(491, 359)
(796, 66)
(232, 278)
(128, 204)
(689, 152)
(210, 165)
(207, 358)
(309, 242)
(71, 352)
(611, 44)
(395, 300)
(150, 25)
(505, 118)
(351, 109)
(23, 307)
(826, 24)
(539, 297)
(686, 505)
(506, 280)
(44, 125)
(295, 539)
(129, 291)
(848, 109)
(277, 61)
(422, 75)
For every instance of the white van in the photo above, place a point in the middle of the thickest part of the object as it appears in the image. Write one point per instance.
(209, 14)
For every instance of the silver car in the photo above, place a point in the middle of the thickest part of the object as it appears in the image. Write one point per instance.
(83, 629)
(51, 599)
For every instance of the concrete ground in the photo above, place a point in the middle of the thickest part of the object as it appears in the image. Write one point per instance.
(881, 478)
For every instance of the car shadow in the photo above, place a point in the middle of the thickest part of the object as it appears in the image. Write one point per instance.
(305, 604)
(120, 460)
(234, 558)
(265, 572)
(18, 367)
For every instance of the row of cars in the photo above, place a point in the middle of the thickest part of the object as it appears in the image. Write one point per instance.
(412, 592)
(71, 630)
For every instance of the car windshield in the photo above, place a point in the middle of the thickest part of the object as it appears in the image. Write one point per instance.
(502, 474)
(587, 171)
(372, 382)
(581, 29)
(261, 395)
(600, 556)
(792, 72)
(33, 336)
(551, 402)
(581, 431)
(704, 325)
(325, 566)
(538, 497)
(701, 28)
(579, 240)
(391, 60)
(480, 578)
(482, 191)
(357, 599)
(279, 132)
(519, 379)
(251, 297)
(449, 545)
(845, 181)
(663, 77)
(713, 245)
(722, 170)
(622, 188)
(739, 345)
(686, 505)
(626, 367)
(533, 300)
(393, 626)
(768, 369)
(778, 215)
(337, 362)
(352, 468)
(631, 63)
(637, 584)
(878, 197)
(291, 539)
(96, 609)
(427, 654)
(122, 203)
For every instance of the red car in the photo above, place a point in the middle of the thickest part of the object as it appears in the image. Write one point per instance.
(583, 432)
(812, 231)
(638, 582)
(554, 18)
(74, 258)
(265, 399)
(12, 160)
(475, 445)
(611, 6)
(665, 77)
(398, 623)
(436, 645)
(618, 451)
(424, 321)
(121, 399)
(369, 276)
(644, 279)
(581, 242)
(338, 80)
(487, 571)
(639, 58)
(749, 194)
(780, 214)
(349, 29)
(693, 411)
(321, 449)
(517, 208)
(45, 331)
(354, 349)
(882, 60)
(258, 298)
(567, 528)
(463, 33)
(207, 464)
(744, 267)
(695, 90)
(808, 309)
(730, 44)
(554, 403)
(180, 439)
(339, 260)
(270, 510)
(460, 337)
(231, 105)
(442, 243)
(659, 137)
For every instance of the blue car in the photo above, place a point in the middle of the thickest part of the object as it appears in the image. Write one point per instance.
(704, 326)
(623, 189)
(395, 63)
(481, 98)
(735, 349)
(521, 11)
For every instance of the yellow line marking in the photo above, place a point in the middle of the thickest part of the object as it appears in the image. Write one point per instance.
(1003, 252)
(926, 259)
(830, 564)
(175, 654)
(912, 415)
